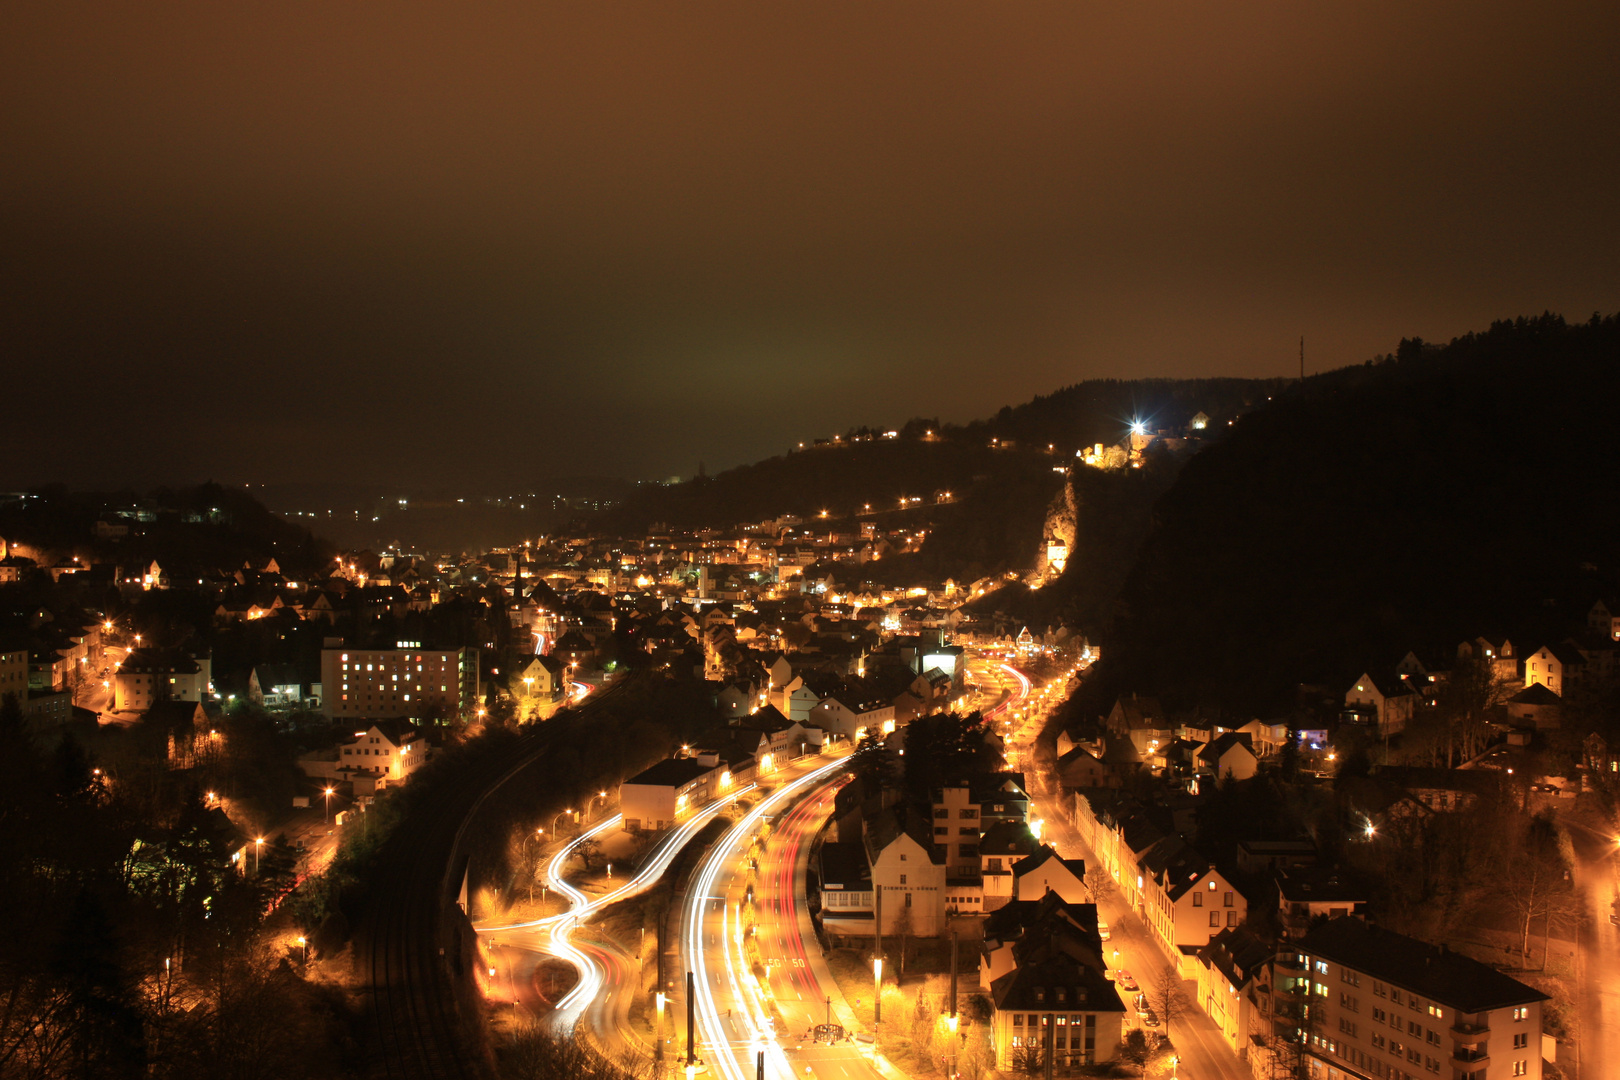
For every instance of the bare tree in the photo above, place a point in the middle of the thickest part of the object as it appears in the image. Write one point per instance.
(903, 929)
(1169, 1000)
(1462, 704)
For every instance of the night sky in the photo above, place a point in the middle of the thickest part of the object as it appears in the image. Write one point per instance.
(491, 244)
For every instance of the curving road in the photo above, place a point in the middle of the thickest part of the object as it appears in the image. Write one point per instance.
(607, 974)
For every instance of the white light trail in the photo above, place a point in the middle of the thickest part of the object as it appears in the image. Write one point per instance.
(561, 927)
(750, 1009)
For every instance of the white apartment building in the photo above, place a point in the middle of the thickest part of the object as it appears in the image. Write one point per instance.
(384, 753)
(1375, 1005)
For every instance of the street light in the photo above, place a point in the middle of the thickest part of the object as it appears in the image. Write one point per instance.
(327, 819)
(559, 814)
(258, 846)
(877, 990)
(592, 806)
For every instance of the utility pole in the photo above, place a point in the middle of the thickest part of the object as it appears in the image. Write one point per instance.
(661, 999)
(1049, 1041)
(954, 1021)
(877, 956)
(1302, 358)
(759, 1066)
(691, 1013)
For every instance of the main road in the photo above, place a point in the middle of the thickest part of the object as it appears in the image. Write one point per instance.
(608, 976)
(740, 1016)
(1597, 954)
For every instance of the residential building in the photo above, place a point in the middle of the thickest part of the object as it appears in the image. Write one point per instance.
(1133, 712)
(1536, 706)
(1229, 973)
(1183, 898)
(782, 740)
(151, 675)
(1309, 895)
(1498, 652)
(846, 892)
(539, 679)
(386, 752)
(851, 717)
(406, 680)
(1003, 845)
(275, 686)
(1045, 872)
(1605, 620)
(1555, 667)
(1079, 768)
(1370, 1003)
(956, 831)
(1384, 704)
(1065, 1010)
(1018, 928)
(1229, 755)
(1265, 738)
(907, 870)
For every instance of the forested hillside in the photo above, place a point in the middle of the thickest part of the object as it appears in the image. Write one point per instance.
(1436, 493)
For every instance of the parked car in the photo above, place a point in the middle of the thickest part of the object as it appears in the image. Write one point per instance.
(1102, 930)
(1151, 1020)
(1124, 979)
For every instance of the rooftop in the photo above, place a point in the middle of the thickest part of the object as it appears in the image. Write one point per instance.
(1433, 971)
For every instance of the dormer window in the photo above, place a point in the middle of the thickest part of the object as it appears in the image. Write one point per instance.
(1062, 995)
(1040, 995)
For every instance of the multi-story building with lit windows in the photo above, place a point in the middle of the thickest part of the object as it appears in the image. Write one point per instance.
(405, 681)
(1369, 1004)
(148, 676)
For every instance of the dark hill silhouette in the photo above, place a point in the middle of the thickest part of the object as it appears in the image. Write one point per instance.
(993, 519)
(1437, 493)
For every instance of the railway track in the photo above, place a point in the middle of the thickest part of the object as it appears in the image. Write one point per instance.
(415, 948)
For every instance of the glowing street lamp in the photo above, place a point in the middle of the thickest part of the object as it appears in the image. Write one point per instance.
(327, 820)
(258, 846)
(877, 989)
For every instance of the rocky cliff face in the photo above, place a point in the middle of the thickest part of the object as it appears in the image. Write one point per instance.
(1057, 536)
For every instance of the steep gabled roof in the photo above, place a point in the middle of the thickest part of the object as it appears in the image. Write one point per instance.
(1033, 862)
(1237, 953)
(1008, 838)
(1214, 750)
(888, 825)
(1037, 984)
(1535, 694)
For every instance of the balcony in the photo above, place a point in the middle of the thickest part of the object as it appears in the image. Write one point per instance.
(1469, 1032)
(1470, 1059)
